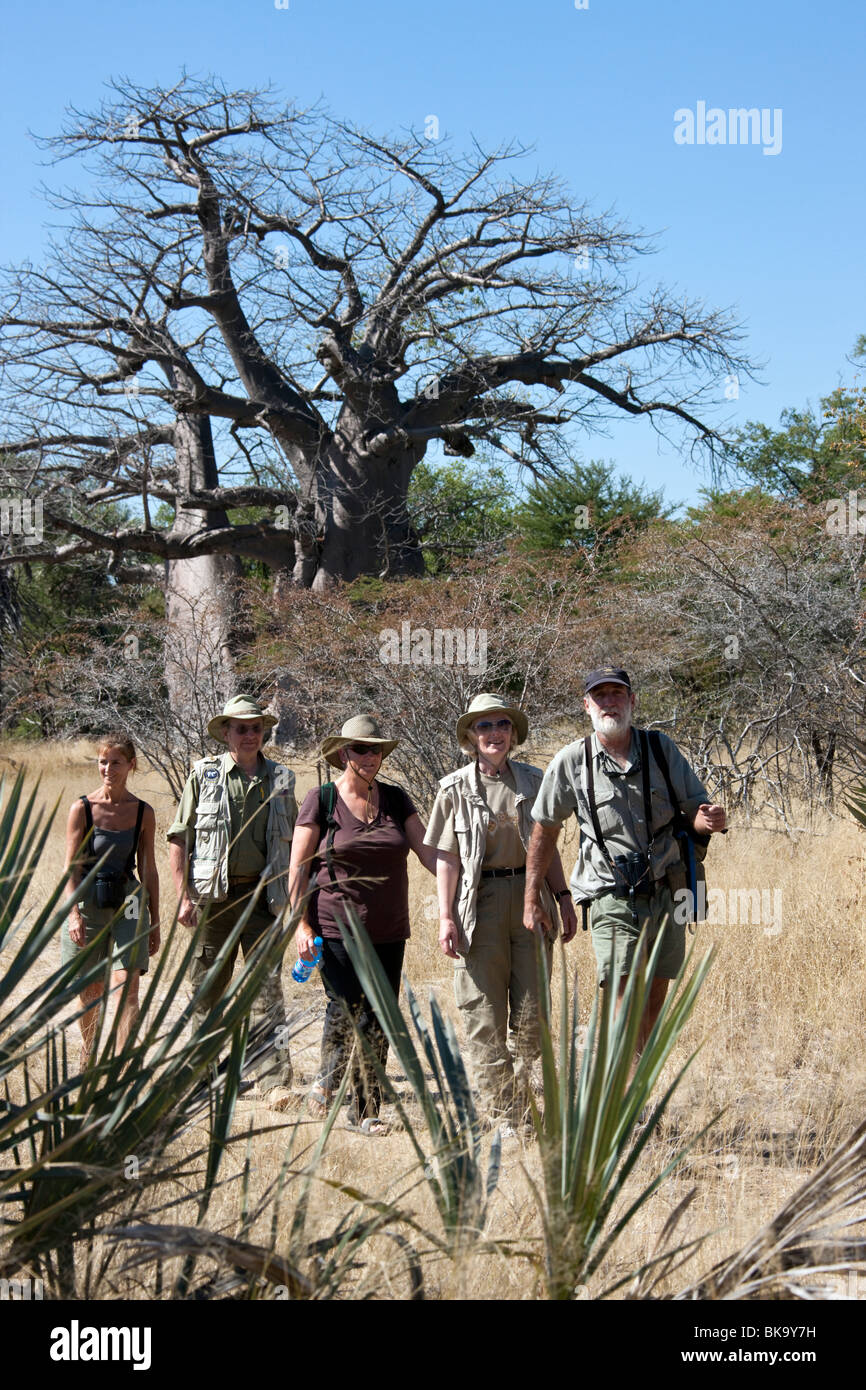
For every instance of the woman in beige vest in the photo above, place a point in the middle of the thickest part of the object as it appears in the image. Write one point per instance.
(480, 825)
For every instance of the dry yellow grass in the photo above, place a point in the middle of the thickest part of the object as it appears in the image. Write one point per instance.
(779, 1023)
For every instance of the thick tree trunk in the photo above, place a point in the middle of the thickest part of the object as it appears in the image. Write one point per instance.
(200, 593)
(364, 516)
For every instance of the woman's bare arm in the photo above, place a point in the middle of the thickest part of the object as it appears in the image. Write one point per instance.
(76, 828)
(305, 842)
(447, 878)
(415, 832)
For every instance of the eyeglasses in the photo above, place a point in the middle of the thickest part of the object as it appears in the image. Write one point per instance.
(484, 726)
(359, 749)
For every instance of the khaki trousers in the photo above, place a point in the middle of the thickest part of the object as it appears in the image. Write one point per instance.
(269, 1006)
(496, 988)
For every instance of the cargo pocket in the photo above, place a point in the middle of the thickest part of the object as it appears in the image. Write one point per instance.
(206, 827)
(205, 858)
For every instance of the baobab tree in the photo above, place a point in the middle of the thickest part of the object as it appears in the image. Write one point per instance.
(256, 306)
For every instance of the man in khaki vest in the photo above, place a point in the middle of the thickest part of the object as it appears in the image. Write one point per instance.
(235, 820)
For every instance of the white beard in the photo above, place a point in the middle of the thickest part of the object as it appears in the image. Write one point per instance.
(609, 725)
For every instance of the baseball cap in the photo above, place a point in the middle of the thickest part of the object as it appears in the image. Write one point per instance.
(607, 675)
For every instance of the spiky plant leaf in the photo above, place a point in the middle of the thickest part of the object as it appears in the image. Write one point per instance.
(855, 803)
(591, 1105)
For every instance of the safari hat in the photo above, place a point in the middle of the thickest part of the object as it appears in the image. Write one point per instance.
(362, 728)
(490, 704)
(240, 707)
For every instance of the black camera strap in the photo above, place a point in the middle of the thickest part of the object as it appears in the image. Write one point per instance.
(647, 791)
(647, 808)
(645, 785)
(590, 796)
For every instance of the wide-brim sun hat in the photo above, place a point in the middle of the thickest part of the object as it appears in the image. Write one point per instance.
(484, 704)
(240, 707)
(361, 728)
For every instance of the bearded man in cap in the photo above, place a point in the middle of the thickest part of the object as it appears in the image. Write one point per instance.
(625, 789)
(234, 824)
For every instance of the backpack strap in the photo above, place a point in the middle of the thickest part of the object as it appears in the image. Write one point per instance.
(645, 783)
(327, 808)
(659, 755)
(129, 866)
(680, 821)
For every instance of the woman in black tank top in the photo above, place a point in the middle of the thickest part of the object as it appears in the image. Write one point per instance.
(123, 827)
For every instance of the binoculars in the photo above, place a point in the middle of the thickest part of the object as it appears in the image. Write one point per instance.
(632, 875)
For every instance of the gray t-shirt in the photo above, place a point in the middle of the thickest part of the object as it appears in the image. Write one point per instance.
(620, 808)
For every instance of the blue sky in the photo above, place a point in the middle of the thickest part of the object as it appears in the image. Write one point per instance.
(778, 238)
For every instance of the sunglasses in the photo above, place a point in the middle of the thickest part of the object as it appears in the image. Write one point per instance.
(359, 749)
(484, 726)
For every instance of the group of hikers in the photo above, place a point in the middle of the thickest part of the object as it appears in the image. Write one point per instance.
(491, 842)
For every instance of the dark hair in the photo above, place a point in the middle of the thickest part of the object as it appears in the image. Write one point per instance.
(115, 738)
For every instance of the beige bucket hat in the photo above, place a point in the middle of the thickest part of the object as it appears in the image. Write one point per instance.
(240, 707)
(485, 703)
(362, 728)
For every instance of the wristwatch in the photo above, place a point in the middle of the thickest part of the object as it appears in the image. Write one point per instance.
(564, 893)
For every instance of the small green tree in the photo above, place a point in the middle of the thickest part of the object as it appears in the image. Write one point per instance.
(458, 511)
(588, 509)
(813, 456)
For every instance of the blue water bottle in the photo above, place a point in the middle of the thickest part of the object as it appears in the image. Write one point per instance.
(303, 969)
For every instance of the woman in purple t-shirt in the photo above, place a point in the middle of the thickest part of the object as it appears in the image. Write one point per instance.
(377, 825)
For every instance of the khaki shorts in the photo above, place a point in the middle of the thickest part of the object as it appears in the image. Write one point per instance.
(612, 927)
(126, 924)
